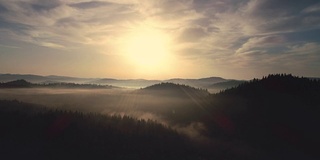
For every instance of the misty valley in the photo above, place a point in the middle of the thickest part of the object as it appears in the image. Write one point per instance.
(276, 117)
(160, 79)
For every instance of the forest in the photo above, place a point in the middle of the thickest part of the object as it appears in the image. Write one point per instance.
(275, 117)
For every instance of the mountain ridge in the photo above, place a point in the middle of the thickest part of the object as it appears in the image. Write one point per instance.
(21, 83)
(214, 83)
(131, 83)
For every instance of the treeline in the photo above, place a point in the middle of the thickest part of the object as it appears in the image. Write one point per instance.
(25, 84)
(172, 86)
(39, 133)
(175, 90)
(276, 83)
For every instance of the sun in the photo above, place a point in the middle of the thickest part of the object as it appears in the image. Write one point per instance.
(148, 49)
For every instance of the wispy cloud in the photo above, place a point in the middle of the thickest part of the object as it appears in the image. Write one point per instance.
(8, 46)
(261, 43)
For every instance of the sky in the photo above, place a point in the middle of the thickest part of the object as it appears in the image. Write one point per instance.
(160, 39)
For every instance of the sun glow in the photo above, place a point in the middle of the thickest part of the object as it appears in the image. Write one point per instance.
(148, 49)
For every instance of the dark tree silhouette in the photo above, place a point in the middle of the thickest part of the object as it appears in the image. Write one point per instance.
(278, 113)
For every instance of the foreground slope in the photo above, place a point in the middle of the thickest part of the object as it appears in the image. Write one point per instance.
(38, 133)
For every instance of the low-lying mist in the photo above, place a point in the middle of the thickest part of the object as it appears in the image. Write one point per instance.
(173, 111)
(86, 100)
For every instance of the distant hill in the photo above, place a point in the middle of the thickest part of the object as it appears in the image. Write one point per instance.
(177, 103)
(28, 77)
(202, 82)
(41, 79)
(212, 79)
(226, 84)
(16, 84)
(278, 113)
(25, 84)
(172, 89)
(130, 83)
(141, 83)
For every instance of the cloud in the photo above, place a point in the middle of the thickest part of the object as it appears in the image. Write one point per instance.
(265, 43)
(272, 16)
(55, 22)
(252, 35)
(51, 45)
(164, 7)
(3, 9)
(44, 5)
(300, 59)
(8, 46)
(312, 9)
(190, 19)
(305, 48)
(192, 34)
(303, 58)
(90, 5)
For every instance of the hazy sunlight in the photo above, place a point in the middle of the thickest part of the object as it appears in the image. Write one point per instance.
(148, 49)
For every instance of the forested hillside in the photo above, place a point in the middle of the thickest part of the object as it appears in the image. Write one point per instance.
(279, 113)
